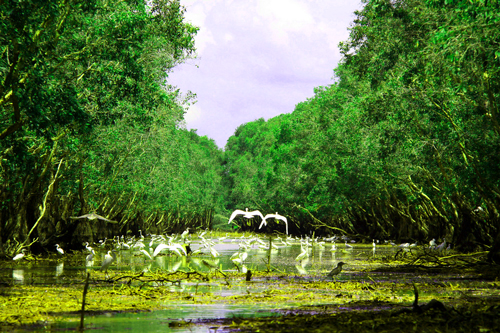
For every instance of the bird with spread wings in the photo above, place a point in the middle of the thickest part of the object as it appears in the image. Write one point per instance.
(246, 214)
(92, 216)
(277, 217)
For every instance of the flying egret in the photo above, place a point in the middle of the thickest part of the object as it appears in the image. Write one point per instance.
(174, 248)
(277, 217)
(108, 260)
(160, 248)
(58, 248)
(92, 216)
(19, 256)
(336, 270)
(246, 214)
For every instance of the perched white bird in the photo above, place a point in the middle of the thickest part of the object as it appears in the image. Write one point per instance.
(108, 260)
(246, 214)
(58, 248)
(374, 244)
(277, 217)
(19, 256)
(432, 244)
(334, 247)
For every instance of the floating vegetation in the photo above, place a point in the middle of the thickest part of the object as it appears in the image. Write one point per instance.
(370, 290)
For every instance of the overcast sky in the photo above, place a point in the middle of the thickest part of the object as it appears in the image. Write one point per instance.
(258, 58)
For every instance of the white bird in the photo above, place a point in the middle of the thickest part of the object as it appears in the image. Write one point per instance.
(246, 214)
(146, 253)
(334, 247)
(277, 217)
(108, 260)
(92, 216)
(19, 256)
(174, 248)
(348, 246)
(185, 233)
(89, 248)
(238, 258)
(90, 257)
(302, 254)
(374, 244)
(58, 248)
(432, 244)
(160, 248)
(214, 252)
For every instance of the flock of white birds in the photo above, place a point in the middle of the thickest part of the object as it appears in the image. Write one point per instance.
(179, 244)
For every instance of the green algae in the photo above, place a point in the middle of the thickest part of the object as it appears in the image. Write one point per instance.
(356, 296)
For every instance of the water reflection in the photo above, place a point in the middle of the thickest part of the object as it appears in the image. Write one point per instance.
(18, 276)
(234, 254)
(59, 269)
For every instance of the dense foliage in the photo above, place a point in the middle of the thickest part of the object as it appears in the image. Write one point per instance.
(404, 144)
(89, 122)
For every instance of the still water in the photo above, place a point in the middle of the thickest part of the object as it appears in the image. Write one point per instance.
(319, 261)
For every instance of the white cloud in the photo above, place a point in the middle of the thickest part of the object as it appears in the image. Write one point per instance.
(228, 37)
(258, 58)
(283, 17)
(193, 114)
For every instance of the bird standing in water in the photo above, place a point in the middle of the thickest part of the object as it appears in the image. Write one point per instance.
(58, 248)
(19, 256)
(108, 260)
(336, 270)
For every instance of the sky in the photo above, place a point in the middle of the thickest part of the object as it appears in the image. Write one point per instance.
(258, 58)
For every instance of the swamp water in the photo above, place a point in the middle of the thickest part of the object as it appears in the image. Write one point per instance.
(211, 296)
